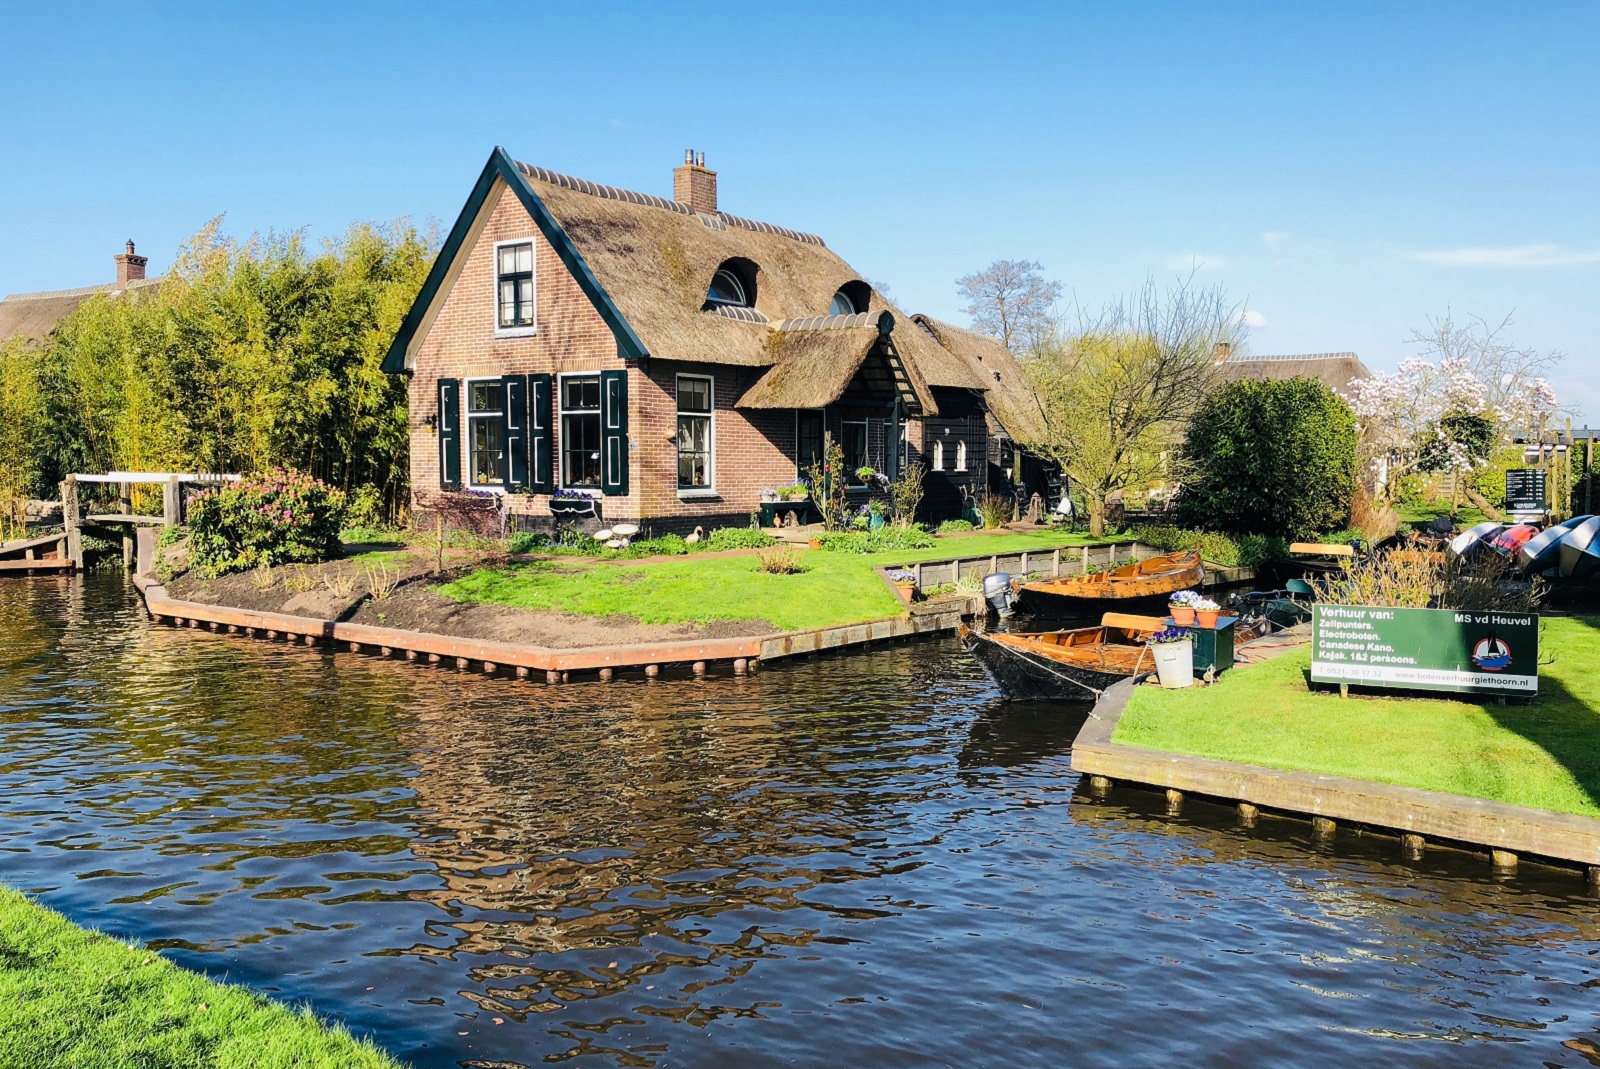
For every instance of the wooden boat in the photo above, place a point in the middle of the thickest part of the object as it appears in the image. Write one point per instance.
(1323, 558)
(1064, 666)
(1156, 577)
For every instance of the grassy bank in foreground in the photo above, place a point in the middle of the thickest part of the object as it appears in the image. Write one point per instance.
(1545, 754)
(835, 588)
(76, 999)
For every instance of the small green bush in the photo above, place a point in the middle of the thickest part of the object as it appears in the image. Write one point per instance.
(883, 540)
(171, 536)
(724, 538)
(667, 545)
(527, 541)
(367, 535)
(281, 517)
(950, 526)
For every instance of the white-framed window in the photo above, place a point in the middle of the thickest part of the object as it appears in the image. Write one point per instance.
(696, 399)
(486, 433)
(938, 454)
(961, 455)
(580, 430)
(514, 287)
(853, 440)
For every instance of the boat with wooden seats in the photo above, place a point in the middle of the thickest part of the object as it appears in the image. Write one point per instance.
(1323, 558)
(1072, 665)
(1153, 578)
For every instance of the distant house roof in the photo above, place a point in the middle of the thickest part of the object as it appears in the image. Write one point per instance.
(646, 264)
(34, 315)
(1334, 370)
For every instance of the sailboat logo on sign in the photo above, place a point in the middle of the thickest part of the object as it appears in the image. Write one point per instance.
(1491, 654)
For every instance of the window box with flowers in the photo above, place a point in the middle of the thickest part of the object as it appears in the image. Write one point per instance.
(571, 502)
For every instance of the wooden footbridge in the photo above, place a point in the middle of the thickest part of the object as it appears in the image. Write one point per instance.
(81, 492)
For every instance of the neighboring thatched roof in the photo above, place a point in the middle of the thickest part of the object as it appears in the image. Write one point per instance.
(998, 374)
(816, 359)
(1335, 370)
(35, 315)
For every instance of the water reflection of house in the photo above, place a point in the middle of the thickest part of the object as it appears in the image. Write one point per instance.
(674, 360)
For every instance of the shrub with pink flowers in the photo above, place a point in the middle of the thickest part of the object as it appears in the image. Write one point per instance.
(276, 517)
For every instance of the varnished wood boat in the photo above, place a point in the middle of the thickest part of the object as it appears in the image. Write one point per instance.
(1058, 666)
(1153, 578)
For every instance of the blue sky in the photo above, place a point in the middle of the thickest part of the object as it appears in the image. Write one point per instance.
(1346, 170)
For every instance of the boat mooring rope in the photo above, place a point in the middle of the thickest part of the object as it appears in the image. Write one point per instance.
(1053, 672)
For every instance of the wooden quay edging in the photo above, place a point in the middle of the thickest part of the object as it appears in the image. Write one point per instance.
(1414, 814)
(741, 654)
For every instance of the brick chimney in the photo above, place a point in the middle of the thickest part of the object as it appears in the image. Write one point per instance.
(1222, 350)
(694, 185)
(130, 268)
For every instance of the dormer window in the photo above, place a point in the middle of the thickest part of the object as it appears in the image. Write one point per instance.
(727, 289)
(514, 285)
(853, 298)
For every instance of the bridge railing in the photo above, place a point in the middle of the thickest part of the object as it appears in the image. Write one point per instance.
(172, 483)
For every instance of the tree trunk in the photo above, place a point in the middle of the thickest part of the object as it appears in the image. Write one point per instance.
(1483, 505)
(1097, 515)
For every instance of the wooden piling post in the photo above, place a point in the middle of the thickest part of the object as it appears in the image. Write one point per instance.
(1174, 802)
(1055, 564)
(172, 501)
(311, 640)
(1504, 862)
(1592, 877)
(1099, 786)
(1085, 557)
(489, 668)
(434, 658)
(72, 519)
(522, 671)
(250, 632)
(740, 666)
(125, 507)
(355, 647)
(552, 676)
(607, 674)
(1323, 828)
(652, 670)
(698, 668)
(1412, 846)
(1248, 814)
(462, 663)
(411, 655)
(385, 651)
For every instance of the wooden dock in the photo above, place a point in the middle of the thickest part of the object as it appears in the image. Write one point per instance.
(1414, 815)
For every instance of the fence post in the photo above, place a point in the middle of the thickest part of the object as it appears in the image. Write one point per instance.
(1085, 560)
(1055, 564)
(172, 501)
(125, 507)
(72, 520)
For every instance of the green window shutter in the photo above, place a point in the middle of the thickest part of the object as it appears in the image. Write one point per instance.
(515, 421)
(541, 439)
(450, 434)
(614, 432)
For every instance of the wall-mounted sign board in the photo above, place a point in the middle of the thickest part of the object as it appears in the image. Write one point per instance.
(1426, 649)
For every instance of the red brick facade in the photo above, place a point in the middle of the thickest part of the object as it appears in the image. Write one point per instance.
(751, 450)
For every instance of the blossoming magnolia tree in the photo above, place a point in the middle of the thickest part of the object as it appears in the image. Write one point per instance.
(1447, 414)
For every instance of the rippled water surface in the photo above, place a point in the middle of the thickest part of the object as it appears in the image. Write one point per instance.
(863, 861)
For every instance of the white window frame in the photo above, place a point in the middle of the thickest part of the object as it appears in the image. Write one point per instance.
(710, 489)
(561, 428)
(865, 423)
(938, 454)
(961, 454)
(467, 416)
(531, 329)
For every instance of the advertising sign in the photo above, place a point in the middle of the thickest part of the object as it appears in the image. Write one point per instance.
(1527, 490)
(1426, 649)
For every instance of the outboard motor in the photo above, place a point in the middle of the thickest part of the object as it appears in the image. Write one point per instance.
(998, 593)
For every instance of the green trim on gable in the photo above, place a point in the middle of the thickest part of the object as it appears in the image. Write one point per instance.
(503, 167)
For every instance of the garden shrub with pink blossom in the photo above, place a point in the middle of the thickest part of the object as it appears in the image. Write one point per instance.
(277, 517)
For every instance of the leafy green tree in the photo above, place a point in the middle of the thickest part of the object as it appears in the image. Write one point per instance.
(22, 432)
(1271, 458)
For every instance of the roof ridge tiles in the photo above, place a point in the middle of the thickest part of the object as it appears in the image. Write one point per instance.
(628, 196)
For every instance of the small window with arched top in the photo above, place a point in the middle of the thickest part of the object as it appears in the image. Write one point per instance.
(961, 456)
(853, 297)
(727, 289)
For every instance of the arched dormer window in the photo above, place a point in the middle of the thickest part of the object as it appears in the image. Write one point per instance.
(853, 297)
(734, 285)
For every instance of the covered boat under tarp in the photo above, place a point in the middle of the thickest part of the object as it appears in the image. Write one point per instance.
(1475, 536)
(1073, 665)
(1153, 578)
(1543, 551)
(1580, 550)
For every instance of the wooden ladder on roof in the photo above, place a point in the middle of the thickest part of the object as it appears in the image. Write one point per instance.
(902, 379)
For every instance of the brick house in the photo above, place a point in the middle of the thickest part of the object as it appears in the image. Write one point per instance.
(671, 362)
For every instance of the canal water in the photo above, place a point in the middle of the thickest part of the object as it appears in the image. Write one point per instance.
(854, 861)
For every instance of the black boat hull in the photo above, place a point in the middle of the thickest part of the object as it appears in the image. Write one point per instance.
(1022, 676)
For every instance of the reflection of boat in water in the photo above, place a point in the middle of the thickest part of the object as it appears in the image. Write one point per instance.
(1071, 665)
(1156, 577)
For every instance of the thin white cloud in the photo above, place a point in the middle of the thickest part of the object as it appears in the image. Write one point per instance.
(1194, 261)
(1251, 318)
(1511, 256)
(1273, 238)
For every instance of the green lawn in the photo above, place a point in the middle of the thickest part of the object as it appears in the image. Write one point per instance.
(1545, 754)
(835, 588)
(75, 999)
(1420, 515)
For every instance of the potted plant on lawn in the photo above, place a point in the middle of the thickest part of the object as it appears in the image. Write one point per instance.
(1173, 650)
(1205, 612)
(905, 581)
(1181, 606)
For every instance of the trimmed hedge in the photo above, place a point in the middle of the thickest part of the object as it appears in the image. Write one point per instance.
(883, 540)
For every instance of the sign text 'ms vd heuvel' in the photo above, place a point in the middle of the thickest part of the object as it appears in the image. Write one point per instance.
(1477, 652)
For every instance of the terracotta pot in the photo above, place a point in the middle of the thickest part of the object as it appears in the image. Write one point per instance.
(907, 590)
(815, 543)
(1182, 615)
(1206, 617)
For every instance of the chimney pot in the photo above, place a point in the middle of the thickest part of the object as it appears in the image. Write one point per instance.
(1222, 350)
(130, 267)
(695, 185)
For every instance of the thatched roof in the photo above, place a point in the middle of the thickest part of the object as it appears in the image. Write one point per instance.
(35, 315)
(814, 360)
(1334, 370)
(998, 373)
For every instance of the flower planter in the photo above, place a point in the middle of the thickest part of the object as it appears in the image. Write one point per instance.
(1182, 615)
(574, 506)
(815, 543)
(908, 590)
(1206, 617)
(1174, 663)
